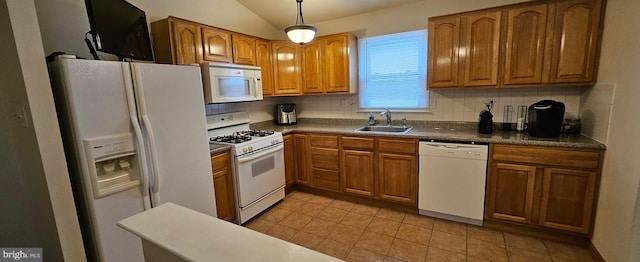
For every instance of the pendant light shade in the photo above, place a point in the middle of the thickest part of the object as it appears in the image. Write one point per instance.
(300, 33)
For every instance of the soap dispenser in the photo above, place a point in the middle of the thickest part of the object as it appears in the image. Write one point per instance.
(372, 120)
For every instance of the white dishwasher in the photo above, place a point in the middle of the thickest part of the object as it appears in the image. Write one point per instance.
(451, 181)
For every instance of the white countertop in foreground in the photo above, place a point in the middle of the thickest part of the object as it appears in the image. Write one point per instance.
(194, 236)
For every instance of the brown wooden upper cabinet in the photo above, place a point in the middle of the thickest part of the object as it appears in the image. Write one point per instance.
(444, 43)
(576, 41)
(263, 60)
(481, 44)
(312, 67)
(529, 44)
(244, 49)
(524, 47)
(179, 41)
(340, 63)
(326, 65)
(217, 45)
(286, 68)
(464, 50)
(176, 41)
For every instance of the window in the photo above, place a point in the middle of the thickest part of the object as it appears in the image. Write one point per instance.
(393, 71)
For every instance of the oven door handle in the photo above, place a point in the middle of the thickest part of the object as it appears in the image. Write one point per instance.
(260, 154)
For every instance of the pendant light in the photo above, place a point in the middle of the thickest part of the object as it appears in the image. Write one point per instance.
(300, 33)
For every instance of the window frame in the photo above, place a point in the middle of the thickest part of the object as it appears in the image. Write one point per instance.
(363, 74)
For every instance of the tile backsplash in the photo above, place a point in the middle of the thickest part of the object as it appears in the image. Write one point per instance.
(596, 105)
(447, 105)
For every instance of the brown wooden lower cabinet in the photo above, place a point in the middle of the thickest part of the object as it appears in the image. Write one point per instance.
(380, 168)
(223, 186)
(397, 177)
(288, 159)
(301, 159)
(357, 169)
(510, 192)
(325, 161)
(567, 199)
(545, 187)
(357, 165)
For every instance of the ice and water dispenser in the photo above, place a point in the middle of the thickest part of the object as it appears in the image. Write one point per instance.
(113, 164)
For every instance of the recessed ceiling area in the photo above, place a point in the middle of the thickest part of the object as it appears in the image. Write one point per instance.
(282, 13)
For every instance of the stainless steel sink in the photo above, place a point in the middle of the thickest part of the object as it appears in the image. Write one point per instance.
(385, 129)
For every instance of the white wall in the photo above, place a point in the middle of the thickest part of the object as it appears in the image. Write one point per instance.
(620, 64)
(407, 17)
(36, 203)
(64, 23)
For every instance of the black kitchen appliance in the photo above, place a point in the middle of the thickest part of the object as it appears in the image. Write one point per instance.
(545, 119)
(485, 124)
(286, 114)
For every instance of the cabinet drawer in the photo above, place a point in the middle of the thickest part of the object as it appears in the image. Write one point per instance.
(326, 158)
(326, 179)
(324, 141)
(220, 161)
(398, 146)
(357, 143)
(556, 156)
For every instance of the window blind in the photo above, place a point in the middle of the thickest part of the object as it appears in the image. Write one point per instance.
(392, 71)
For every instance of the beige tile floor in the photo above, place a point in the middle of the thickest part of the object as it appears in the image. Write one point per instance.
(358, 232)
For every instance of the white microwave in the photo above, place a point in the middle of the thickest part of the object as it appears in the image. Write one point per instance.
(224, 83)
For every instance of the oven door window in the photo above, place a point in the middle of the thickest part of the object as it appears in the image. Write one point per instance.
(263, 166)
(230, 87)
(259, 177)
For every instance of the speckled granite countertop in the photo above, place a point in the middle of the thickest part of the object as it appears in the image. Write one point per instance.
(432, 130)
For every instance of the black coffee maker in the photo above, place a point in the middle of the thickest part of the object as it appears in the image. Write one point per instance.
(545, 119)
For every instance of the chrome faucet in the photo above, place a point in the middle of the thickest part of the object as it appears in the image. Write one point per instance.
(387, 113)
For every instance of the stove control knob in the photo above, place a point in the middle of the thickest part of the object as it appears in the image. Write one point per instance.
(250, 148)
(244, 149)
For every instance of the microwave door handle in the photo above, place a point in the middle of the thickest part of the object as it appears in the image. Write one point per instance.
(255, 86)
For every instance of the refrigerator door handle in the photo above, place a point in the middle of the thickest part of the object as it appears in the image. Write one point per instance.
(135, 123)
(150, 134)
(154, 153)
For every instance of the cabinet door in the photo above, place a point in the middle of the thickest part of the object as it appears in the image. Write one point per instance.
(336, 75)
(510, 190)
(288, 159)
(244, 50)
(325, 158)
(187, 43)
(263, 60)
(301, 159)
(312, 68)
(216, 45)
(482, 45)
(567, 199)
(444, 43)
(397, 177)
(524, 48)
(357, 172)
(286, 68)
(223, 186)
(576, 41)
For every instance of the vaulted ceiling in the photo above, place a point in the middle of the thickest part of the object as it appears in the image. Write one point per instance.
(282, 13)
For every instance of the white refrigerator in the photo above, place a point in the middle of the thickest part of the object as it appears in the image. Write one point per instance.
(135, 137)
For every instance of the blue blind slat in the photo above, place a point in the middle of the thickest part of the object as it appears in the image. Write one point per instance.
(393, 71)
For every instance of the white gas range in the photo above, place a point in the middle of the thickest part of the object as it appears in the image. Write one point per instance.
(258, 162)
